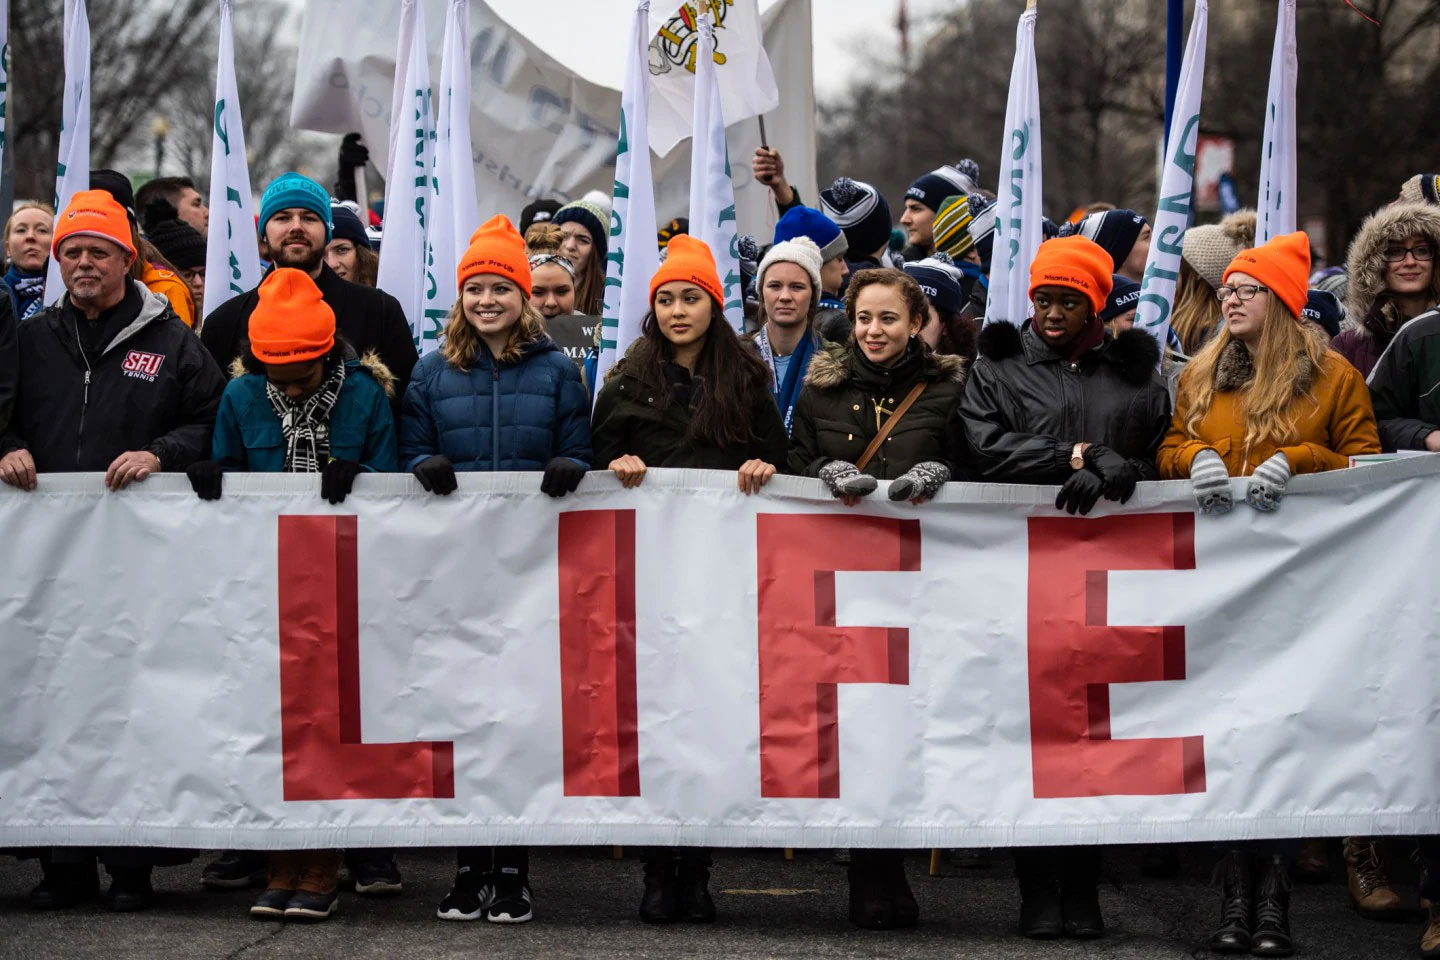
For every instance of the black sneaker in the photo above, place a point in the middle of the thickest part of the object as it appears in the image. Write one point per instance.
(312, 906)
(129, 890)
(511, 903)
(234, 870)
(65, 885)
(468, 897)
(375, 876)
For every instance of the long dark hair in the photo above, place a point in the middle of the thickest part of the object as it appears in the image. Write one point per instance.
(730, 377)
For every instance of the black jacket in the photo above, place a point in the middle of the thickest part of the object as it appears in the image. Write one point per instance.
(846, 398)
(1405, 385)
(631, 418)
(1025, 407)
(9, 361)
(152, 387)
(370, 319)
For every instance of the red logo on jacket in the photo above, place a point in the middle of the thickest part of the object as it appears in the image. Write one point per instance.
(142, 365)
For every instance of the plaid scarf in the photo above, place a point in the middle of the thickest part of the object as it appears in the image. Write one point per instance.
(306, 424)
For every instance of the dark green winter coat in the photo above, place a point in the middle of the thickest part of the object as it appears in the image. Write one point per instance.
(846, 398)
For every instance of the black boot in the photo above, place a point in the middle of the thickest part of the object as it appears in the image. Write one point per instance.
(1272, 910)
(696, 906)
(903, 908)
(660, 902)
(64, 885)
(1041, 915)
(870, 903)
(1233, 933)
(130, 889)
(1079, 893)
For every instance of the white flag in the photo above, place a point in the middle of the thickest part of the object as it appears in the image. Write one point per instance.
(72, 169)
(1277, 159)
(633, 257)
(712, 194)
(452, 211)
(747, 85)
(1018, 213)
(1177, 181)
(408, 201)
(232, 261)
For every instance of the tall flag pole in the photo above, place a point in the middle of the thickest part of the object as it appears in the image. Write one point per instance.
(1177, 182)
(72, 167)
(452, 214)
(1018, 213)
(1277, 158)
(408, 197)
(633, 257)
(712, 192)
(232, 261)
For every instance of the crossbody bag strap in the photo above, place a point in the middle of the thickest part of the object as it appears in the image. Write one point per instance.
(889, 424)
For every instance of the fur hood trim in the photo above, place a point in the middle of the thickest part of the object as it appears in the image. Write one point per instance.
(1365, 262)
(829, 367)
(999, 341)
(1235, 369)
(1135, 352)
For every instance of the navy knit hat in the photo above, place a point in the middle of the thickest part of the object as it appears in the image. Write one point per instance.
(982, 228)
(118, 186)
(1115, 230)
(809, 222)
(1124, 297)
(291, 190)
(589, 216)
(537, 211)
(935, 186)
(1322, 307)
(939, 281)
(347, 226)
(859, 210)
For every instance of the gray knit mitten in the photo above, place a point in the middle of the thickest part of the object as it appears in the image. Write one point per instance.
(920, 482)
(845, 480)
(1210, 482)
(1267, 483)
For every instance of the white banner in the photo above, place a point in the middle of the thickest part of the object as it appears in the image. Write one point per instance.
(1019, 194)
(1278, 157)
(712, 196)
(1177, 182)
(633, 257)
(452, 204)
(408, 196)
(682, 664)
(72, 168)
(232, 260)
(742, 67)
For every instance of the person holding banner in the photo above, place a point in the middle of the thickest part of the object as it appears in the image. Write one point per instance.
(1061, 401)
(587, 237)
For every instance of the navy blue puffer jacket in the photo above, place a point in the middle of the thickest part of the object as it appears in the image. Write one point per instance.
(515, 416)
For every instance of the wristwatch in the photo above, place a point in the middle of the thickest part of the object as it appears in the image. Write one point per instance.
(1077, 456)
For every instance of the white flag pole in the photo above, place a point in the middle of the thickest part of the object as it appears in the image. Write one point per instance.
(1278, 158)
(408, 196)
(712, 192)
(453, 217)
(633, 258)
(1177, 182)
(1018, 212)
(232, 259)
(72, 168)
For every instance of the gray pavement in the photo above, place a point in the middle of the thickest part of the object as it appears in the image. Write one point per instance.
(585, 907)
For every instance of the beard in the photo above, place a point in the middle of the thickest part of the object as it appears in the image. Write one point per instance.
(308, 262)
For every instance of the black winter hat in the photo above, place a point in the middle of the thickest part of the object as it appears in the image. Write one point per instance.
(118, 186)
(1322, 307)
(177, 241)
(537, 211)
(932, 189)
(347, 226)
(859, 210)
(1115, 230)
(1124, 297)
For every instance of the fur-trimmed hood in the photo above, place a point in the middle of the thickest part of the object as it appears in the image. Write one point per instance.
(1365, 262)
(830, 367)
(1135, 352)
(370, 362)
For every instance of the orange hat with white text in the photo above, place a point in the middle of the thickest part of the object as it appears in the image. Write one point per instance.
(92, 213)
(1283, 265)
(496, 247)
(688, 259)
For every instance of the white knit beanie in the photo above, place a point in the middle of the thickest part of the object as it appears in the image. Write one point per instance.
(801, 251)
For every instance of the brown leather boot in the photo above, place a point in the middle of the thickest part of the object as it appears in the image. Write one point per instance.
(283, 876)
(1369, 884)
(1313, 864)
(317, 894)
(1430, 936)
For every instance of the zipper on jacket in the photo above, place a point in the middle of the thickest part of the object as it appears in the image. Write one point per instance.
(494, 416)
(85, 396)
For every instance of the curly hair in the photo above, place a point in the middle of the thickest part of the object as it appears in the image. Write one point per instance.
(915, 300)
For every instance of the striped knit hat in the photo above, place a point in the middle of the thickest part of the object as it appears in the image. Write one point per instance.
(982, 227)
(1421, 188)
(952, 226)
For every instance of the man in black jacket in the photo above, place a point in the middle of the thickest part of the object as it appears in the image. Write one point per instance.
(110, 379)
(295, 226)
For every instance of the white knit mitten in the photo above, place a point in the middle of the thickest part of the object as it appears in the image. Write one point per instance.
(1267, 483)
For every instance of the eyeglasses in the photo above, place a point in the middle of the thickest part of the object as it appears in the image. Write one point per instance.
(1245, 291)
(1421, 251)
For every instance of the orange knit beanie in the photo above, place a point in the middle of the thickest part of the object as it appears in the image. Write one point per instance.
(1076, 262)
(498, 248)
(291, 322)
(689, 259)
(1283, 265)
(92, 213)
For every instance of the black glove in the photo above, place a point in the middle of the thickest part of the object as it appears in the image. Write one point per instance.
(336, 479)
(1080, 492)
(436, 474)
(562, 476)
(204, 479)
(1120, 475)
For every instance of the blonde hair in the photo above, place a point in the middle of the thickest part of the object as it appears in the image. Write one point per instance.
(1270, 394)
(1196, 313)
(543, 237)
(461, 343)
(44, 208)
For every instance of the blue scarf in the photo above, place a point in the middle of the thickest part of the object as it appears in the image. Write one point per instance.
(28, 291)
(787, 394)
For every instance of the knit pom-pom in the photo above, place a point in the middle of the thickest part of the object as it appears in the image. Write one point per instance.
(970, 168)
(940, 256)
(978, 204)
(844, 192)
(748, 248)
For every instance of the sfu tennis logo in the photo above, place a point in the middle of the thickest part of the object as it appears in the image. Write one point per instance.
(141, 365)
